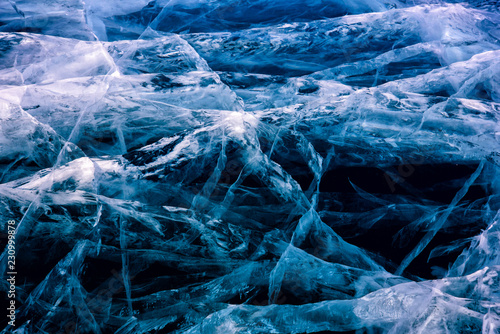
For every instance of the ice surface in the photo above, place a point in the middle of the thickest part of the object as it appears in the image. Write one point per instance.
(251, 166)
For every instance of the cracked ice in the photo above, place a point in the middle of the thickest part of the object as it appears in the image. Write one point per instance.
(252, 167)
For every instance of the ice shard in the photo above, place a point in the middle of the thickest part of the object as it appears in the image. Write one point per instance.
(250, 167)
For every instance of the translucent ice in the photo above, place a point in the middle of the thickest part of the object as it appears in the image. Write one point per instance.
(251, 166)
